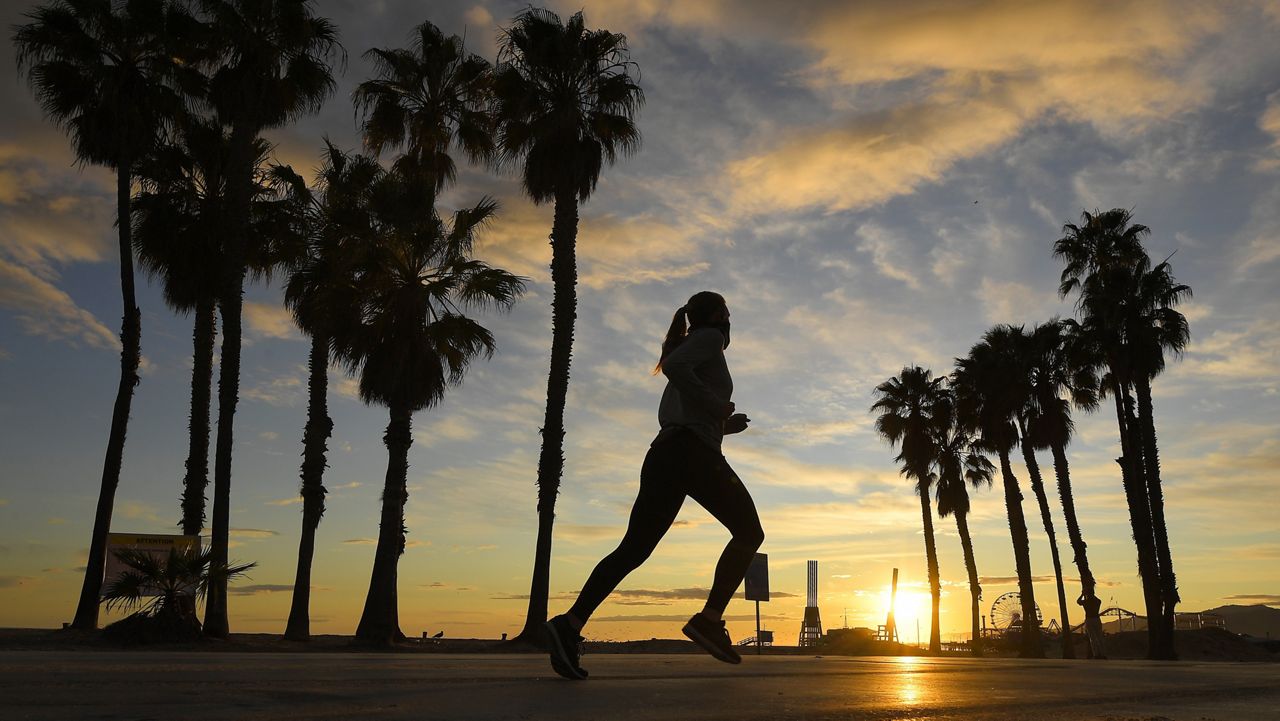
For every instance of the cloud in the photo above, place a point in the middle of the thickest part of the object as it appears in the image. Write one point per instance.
(14, 581)
(268, 435)
(53, 213)
(1008, 301)
(447, 429)
(1238, 353)
(361, 541)
(281, 390)
(560, 596)
(1269, 122)
(883, 246)
(345, 386)
(975, 75)
(285, 501)
(46, 311)
(441, 586)
(245, 532)
(136, 510)
(260, 588)
(584, 532)
(268, 320)
(1267, 599)
(613, 249)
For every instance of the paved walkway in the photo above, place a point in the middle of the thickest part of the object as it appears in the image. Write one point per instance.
(191, 686)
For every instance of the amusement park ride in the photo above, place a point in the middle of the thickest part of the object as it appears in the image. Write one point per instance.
(1006, 617)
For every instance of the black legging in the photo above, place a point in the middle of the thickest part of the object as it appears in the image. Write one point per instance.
(675, 467)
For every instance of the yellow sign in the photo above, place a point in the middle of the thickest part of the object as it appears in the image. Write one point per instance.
(155, 544)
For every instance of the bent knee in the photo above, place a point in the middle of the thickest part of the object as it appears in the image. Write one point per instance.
(751, 537)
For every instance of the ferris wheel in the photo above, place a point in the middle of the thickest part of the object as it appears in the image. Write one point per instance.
(1006, 613)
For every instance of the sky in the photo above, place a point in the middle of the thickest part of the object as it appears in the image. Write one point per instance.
(870, 185)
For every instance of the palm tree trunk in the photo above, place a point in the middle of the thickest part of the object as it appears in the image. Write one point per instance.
(231, 305)
(975, 590)
(197, 478)
(1088, 586)
(1139, 513)
(1037, 487)
(314, 440)
(1030, 647)
(564, 311)
(379, 623)
(1155, 494)
(935, 584)
(130, 356)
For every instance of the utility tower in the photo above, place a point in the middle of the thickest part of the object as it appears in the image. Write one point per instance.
(811, 627)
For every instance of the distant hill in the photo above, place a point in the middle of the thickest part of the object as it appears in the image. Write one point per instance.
(1261, 621)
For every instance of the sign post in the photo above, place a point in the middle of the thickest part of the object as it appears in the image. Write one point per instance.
(757, 589)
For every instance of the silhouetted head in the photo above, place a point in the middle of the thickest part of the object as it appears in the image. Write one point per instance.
(705, 309)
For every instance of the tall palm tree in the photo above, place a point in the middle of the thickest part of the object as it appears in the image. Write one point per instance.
(1099, 340)
(1046, 517)
(960, 464)
(179, 224)
(1128, 310)
(1055, 371)
(1155, 327)
(910, 406)
(428, 99)
(989, 389)
(566, 105)
(1022, 419)
(1104, 260)
(332, 227)
(411, 342)
(178, 228)
(105, 72)
(269, 63)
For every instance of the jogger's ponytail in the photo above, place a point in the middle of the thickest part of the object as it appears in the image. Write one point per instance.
(696, 312)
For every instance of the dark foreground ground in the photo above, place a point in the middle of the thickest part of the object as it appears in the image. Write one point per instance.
(265, 685)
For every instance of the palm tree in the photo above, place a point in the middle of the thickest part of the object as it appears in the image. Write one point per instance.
(1099, 341)
(105, 72)
(269, 62)
(910, 406)
(960, 464)
(331, 223)
(1104, 264)
(566, 105)
(411, 342)
(1054, 370)
(428, 100)
(177, 232)
(165, 589)
(1128, 312)
(989, 389)
(1101, 240)
(1046, 517)
(1156, 327)
(179, 224)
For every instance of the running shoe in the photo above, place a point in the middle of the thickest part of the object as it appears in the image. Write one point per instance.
(565, 646)
(712, 637)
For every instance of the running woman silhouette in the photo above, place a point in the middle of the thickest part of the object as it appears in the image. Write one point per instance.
(684, 460)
